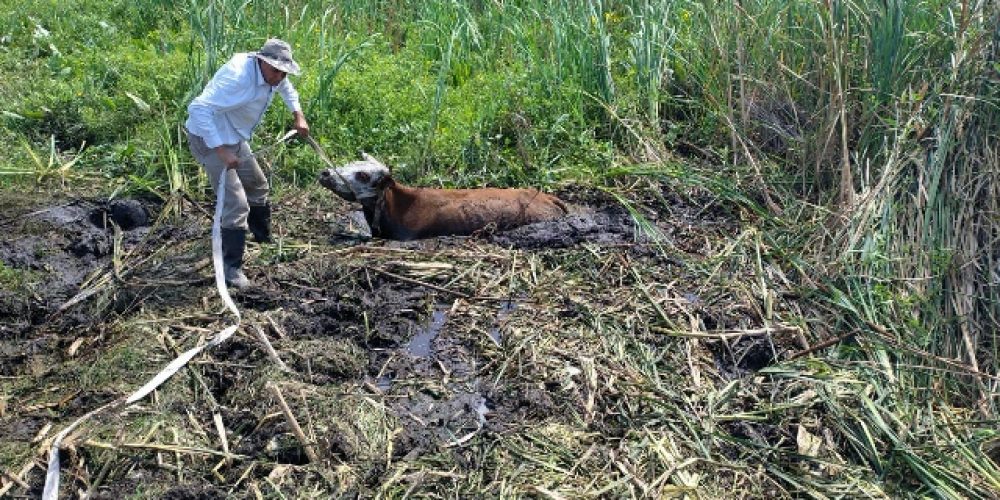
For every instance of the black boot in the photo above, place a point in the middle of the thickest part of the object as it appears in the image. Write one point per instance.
(259, 221)
(234, 243)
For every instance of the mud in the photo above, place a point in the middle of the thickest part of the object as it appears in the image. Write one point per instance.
(48, 252)
(605, 226)
(425, 355)
(420, 343)
(741, 357)
(762, 434)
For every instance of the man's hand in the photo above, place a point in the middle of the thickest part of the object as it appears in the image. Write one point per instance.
(230, 160)
(301, 126)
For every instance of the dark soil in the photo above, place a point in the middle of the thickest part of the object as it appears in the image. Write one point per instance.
(50, 251)
(416, 348)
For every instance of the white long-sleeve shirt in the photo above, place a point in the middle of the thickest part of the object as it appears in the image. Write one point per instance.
(234, 101)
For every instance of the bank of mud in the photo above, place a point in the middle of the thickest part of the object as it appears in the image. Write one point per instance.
(447, 366)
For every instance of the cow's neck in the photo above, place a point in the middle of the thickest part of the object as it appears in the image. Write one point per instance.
(384, 213)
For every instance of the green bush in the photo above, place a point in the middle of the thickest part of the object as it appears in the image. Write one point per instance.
(379, 104)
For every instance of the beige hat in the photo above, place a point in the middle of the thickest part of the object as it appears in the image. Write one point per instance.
(278, 53)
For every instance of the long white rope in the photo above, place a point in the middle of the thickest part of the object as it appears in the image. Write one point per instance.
(51, 491)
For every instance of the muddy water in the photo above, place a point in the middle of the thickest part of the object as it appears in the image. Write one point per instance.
(505, 310)
(420, 344)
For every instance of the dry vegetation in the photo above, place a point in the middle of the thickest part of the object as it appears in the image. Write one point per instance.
(602, 367)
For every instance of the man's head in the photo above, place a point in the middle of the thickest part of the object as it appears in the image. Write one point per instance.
(276, 60)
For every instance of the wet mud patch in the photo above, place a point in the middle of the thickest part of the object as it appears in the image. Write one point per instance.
(352, 302)
(434, 385)
(606, 226)
(234, 366)
(260, 298)
(439, 420)
(395, 338)
(50, 250)
(420, 342)
(420, 351)
(68, 270)
(17, 355)
(23, 429)
(351, 325)
(743, 356)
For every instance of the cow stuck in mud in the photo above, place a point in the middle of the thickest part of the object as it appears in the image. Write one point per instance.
(398, 212)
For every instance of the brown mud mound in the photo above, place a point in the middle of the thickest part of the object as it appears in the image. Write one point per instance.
(605, 227)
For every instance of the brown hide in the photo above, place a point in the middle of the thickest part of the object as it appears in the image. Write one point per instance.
(406, 213)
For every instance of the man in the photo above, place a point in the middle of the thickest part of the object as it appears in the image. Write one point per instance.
(220, 122)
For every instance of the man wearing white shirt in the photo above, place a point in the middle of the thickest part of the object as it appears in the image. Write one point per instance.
(220, 122)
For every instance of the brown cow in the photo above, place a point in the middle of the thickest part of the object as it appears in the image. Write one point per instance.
(399, 212)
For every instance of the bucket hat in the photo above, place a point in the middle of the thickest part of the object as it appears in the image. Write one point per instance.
(278, 53)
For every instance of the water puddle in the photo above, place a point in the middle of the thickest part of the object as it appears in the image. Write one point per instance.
(420, 344)
(505, 309)
(481, 410)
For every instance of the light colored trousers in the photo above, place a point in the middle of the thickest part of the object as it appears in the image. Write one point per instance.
(245, 186)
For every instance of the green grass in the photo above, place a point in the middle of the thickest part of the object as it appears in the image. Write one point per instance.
(12, 279)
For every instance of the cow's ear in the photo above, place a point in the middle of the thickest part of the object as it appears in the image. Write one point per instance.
(385, 182)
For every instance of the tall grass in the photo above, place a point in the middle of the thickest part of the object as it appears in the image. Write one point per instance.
(216, 29)
(651, 44)
(932, 246)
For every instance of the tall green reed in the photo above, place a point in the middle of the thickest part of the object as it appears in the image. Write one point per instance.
(216, 32)
(650, 51)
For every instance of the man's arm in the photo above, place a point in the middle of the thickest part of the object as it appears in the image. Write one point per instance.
(301, 125)
(291, 98)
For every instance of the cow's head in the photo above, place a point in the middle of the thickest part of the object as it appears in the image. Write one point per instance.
(358, 180)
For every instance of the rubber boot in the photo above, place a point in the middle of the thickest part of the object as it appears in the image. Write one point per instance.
(259, 221)
(234, 242)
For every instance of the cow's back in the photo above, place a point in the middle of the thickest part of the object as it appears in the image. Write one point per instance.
(437, 212)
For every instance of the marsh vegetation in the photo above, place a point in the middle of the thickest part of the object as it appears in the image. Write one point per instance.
(785, 284)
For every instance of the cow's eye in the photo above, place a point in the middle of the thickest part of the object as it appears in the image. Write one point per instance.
(363, 177)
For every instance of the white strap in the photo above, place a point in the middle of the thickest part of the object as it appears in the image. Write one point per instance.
(51, 491)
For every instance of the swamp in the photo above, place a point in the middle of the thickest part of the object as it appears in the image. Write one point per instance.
(779, 277)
